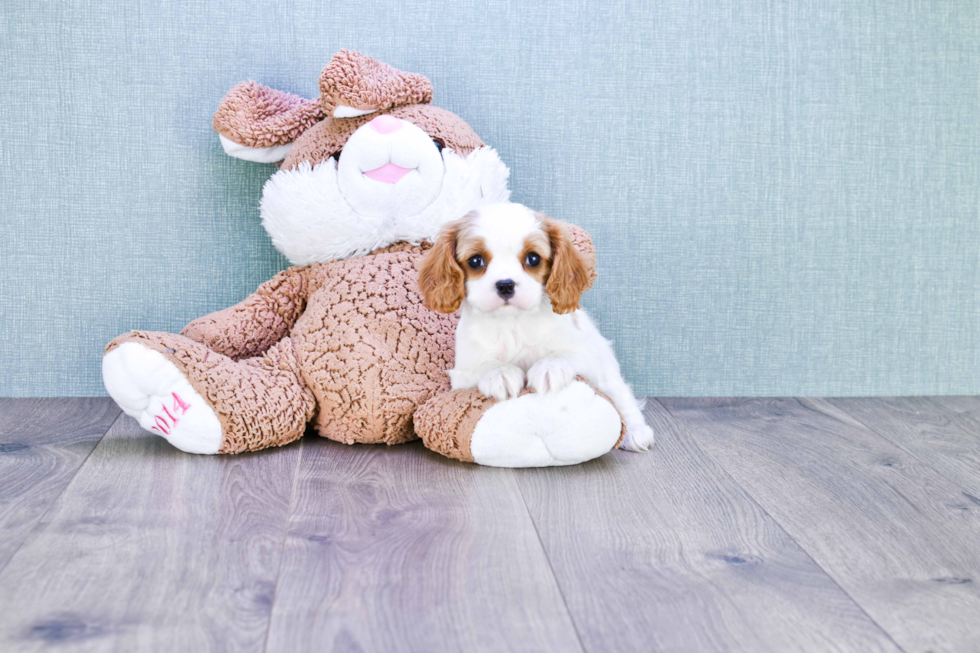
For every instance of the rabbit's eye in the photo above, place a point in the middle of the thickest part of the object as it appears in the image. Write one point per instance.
(439, 144)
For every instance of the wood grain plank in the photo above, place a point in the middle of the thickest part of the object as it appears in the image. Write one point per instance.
(943, 432)
(399, 549)
(150, 548)
(664, 552)
(43, 442)
(893, 532)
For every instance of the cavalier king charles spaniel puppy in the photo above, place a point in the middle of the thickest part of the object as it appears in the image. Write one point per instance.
(519, 280)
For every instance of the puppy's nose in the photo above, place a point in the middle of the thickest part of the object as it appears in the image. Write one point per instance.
(505, 288)
(385, 124)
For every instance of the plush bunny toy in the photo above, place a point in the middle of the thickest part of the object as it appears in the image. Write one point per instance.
(370, 172)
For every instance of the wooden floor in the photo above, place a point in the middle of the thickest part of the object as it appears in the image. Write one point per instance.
(755, 525)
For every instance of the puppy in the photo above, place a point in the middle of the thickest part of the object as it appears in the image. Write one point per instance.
(519, 280)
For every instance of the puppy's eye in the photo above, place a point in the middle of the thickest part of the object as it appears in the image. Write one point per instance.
(475, 262)
(532, 260)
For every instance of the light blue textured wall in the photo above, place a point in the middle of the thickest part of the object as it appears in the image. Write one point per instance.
(784, 194)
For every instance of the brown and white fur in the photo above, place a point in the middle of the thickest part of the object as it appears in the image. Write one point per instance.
(519, 280)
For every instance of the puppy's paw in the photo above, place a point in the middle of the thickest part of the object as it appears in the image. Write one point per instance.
(639, 437)
(550, 375)
(502, 383)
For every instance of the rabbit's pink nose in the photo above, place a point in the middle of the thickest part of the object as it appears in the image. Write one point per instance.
(385, 124)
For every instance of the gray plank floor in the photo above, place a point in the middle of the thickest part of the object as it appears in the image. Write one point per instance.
(754, 525)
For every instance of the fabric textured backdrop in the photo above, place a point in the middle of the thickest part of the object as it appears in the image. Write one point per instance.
(784, 194)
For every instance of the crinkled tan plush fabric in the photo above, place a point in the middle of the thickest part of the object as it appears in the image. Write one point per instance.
(371, 351)
(366, 349)
(260, 402)
(356, 80)
(446, 422)
(258, 116)
(250, 327)
(327, 138)
(583, 243)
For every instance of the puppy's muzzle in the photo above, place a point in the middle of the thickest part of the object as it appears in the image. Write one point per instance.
(505, 288)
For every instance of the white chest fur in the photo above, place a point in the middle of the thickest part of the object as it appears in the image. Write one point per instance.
(518, 338)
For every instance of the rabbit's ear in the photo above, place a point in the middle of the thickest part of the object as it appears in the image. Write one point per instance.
(354, 84)
(258, 123)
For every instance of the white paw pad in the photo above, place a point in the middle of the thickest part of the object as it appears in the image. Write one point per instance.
(639, 437)
(502, 383)
(550, 375)
(566, 427)
(151, 390)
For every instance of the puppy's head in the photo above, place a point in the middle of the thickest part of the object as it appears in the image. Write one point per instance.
(503, 257)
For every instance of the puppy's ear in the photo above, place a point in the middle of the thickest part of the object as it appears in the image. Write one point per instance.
(441, 279)
(569, 276)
